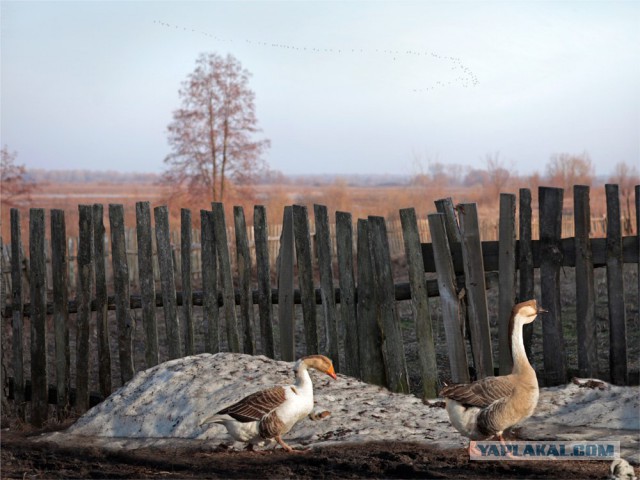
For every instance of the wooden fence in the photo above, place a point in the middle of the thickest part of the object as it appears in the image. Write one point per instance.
(358, 324)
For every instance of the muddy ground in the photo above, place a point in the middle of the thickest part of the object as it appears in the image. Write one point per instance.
(24, 458)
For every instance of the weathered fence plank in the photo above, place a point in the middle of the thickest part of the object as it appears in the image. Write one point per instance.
(420, 304)
(101, 301)
(475, 289)
(392, 342)
(60, 310)
(615, 290)
(637, 189)
(585, 288)
(85, 290)
(243, 256)
(167, 282)
(187, 291)
(305, 277)
(507, 273)
(210, 310)
(38, 282)
(147, 283)
(224, 262)
(525, 263)
(4, 394)
(372, 369)
(17, 325)
(550, 200)
(264, 280)
(344, 250)
(447, 208)
(286, 318)
(121, 289)
(327, 292)
(452, 315)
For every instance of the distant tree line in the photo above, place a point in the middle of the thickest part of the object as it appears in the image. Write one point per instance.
(88, 176)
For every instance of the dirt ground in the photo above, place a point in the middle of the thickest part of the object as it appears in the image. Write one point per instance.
(24, 458)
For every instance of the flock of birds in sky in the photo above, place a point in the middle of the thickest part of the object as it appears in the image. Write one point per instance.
(466, 78)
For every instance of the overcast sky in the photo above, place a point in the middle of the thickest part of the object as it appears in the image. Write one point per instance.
(341, 87)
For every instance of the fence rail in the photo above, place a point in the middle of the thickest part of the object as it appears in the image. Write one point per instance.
(358, 322)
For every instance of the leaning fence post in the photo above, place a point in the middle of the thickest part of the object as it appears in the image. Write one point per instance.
(507, 276)
(327, 292)
(392, 342)
(585, 288)
(344, 250)
(420, 303)
(550, 200)
(450, 300)
(228, 292)
(305, 277)
(121, 290)
(168, 285)
(372, 368)
(615, 289)
(17, 312)
(38, 318)
(476, 291)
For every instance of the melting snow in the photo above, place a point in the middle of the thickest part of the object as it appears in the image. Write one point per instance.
(166, 404)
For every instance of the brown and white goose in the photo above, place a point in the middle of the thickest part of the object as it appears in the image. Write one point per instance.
(487, 407)
(267, 415)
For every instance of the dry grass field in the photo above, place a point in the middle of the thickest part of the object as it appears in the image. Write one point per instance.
(383, 199)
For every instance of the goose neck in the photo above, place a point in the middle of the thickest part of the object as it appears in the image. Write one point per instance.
(519, 355)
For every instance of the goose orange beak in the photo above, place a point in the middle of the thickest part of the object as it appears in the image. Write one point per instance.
(331, 372)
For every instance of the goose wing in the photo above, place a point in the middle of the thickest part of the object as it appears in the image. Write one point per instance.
(255, 406)
(480, 393)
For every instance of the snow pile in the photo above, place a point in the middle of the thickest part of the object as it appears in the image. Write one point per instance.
(168, 402)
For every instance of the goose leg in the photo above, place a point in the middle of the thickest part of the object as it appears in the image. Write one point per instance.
(473, 448)
(287, 447)
(283, 444)
(504, 444)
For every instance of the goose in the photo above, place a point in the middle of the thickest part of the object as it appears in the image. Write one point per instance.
(487, 407)
(265, 416)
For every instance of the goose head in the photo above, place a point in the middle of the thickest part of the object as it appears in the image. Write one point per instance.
(318, 362)
(527, 311)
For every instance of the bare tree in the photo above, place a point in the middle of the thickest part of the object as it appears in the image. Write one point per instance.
(15, 186)
(211, 135)
(626, 176)
(565, 170)
(498, 175)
